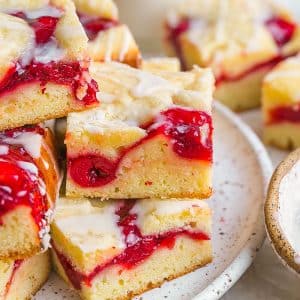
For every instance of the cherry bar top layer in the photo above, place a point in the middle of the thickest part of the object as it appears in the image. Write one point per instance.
(138, 247)
(281, 30)
(21, 183)
(285, 114)
(94, 25)
(48, 68)
(189, 132)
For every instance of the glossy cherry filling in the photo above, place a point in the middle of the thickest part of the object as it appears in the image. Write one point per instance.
(17, 265)
(265, 66)
(285, 114)
(138, 247)
(21, 183)
(69, 74)
(189, 133)
(281, 30)
(94, 25)
(72, 74)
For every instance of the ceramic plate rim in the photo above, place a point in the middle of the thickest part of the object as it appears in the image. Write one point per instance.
(244, 259)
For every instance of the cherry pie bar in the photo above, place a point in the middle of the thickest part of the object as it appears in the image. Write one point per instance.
(43, 65)
(240, 40)
(108, 38)
(115, 250)
(281, 105)
(151, 137)
(20, 279)
(29, 182)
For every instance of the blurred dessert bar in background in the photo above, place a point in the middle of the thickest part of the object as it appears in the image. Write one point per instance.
(240, 40)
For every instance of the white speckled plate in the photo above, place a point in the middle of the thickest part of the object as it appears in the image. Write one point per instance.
(242, 171)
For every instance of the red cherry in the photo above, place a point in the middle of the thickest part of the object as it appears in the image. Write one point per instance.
(281, 30)
(44, 28)
(183, 127)
(93, 25)
(284, 114)
(92, 170)
(19, 187)
(12, 176)
(180, 28)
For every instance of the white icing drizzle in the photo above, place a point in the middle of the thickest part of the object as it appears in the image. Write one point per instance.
(289, 208)
(47, 10)
(150, 84)
(125, 45)
(3, 150)
(44, 53)
(29, 140)
(30, 167)
(87, 225)
(131, 97)
(28, 53)
(44, 233)
(45, 238)
(48, 52)
(105, 97)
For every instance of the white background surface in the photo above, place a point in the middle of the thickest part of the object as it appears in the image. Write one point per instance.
(267, 279)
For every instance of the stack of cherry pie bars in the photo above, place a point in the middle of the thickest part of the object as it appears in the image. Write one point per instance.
(138, 160)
